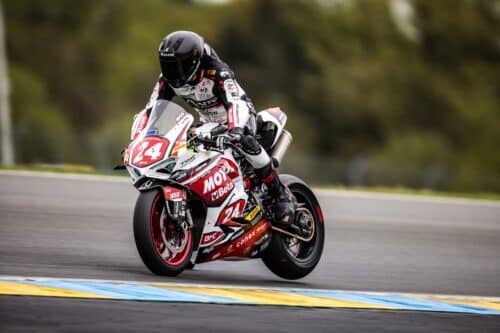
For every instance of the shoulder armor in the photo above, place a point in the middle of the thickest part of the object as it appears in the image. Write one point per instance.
(220, 73)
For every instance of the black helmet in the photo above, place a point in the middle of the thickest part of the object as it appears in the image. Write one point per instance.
(180, 57)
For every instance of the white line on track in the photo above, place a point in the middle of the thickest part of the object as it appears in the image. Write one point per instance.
(406, 198)
(323, 192)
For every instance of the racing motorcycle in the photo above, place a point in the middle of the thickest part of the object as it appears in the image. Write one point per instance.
(200, 200)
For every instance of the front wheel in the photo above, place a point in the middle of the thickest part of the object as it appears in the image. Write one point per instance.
(164, 246)
(287, 256)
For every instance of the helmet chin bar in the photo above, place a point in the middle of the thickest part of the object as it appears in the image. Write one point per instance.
(176, 83)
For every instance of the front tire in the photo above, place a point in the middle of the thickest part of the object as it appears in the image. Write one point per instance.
(278, 257)
(155, 235)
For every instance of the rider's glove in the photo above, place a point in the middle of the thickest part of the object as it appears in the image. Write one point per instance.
(212, 134)
(205, 135)
(220, 141)
(236, 134)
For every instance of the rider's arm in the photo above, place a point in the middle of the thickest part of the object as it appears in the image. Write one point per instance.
(229, 92)
(161, 90)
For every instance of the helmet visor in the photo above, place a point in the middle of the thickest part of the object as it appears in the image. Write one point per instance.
(178, 72)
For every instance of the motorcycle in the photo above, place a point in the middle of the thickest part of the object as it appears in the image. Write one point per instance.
(200, 200)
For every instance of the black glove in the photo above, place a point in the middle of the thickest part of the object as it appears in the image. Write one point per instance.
(221, 129)
(234, 135)
(237, 133)
(220, 141)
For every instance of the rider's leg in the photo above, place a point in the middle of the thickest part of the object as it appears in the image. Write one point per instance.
(284, 207)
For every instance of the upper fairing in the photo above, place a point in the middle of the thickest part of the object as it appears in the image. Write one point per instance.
(189, 160)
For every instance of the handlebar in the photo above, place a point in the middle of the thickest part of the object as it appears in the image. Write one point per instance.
(216, 142)
(221, 129)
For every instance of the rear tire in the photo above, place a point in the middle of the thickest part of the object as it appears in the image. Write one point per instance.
(150, 244)
(277, 257)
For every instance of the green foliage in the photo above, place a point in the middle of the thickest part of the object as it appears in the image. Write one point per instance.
(376, 94)
(413, 159)
(42, 133)
(108, 141)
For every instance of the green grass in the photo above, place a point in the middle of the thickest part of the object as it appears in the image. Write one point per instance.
(84, 169)
(422, 192)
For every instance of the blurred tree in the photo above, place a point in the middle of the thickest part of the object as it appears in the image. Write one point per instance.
(396, 84)
(42, 132)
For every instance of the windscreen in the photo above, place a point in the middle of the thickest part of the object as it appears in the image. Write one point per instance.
(163, 118)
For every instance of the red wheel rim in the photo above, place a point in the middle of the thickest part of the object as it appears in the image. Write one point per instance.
(156, 235)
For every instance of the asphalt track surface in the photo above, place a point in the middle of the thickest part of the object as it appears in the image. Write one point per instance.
(80, 227)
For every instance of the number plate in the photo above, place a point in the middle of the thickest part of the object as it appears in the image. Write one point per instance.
(149, 151)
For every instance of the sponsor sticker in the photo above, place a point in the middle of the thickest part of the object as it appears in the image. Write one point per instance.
(252, 214)
(211, 238)
(152, 132)
(174, 194)
(222, 191)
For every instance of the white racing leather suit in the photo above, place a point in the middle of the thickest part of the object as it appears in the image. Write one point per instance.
(217, 97)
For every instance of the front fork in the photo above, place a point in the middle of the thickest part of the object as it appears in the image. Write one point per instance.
(176, 203)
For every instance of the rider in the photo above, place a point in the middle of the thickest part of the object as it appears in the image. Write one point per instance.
(191, 69)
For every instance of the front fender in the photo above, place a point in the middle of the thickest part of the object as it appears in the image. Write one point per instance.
(145, 184)
(170, 193)
(154, 179)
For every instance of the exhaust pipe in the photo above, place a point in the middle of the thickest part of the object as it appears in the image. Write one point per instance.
(281, 146)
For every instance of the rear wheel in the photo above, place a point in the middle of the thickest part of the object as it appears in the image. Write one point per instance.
(289, 257)
(164, 246)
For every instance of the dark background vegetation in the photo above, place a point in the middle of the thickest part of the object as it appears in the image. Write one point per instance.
(378, 92)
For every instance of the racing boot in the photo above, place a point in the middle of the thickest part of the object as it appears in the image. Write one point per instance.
(283, 200)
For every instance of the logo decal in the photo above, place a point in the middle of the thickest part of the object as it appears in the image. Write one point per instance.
(174, 194)
(222, 191)
(232, 211)
(215, 180)
(219, 177)
(211, 238)
(202, 104)
(252, 214)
